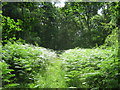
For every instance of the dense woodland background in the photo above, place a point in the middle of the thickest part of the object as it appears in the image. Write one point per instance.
(78, 24)
(45, 46)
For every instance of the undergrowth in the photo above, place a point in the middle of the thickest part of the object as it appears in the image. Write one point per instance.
(53, 77)
(29, 66)
(91, 68)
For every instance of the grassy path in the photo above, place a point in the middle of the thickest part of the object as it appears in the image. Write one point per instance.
(54, 77)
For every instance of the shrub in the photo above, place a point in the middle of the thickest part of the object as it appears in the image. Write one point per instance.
(26, 60)
(111, 42)
(6, 75)
(91, 68)
(10, 29)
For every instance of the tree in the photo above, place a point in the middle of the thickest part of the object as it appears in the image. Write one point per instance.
(75, 25)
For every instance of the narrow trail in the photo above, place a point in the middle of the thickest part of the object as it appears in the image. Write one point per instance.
(54, 76)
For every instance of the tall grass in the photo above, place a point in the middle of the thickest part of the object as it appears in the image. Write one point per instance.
(53, 77)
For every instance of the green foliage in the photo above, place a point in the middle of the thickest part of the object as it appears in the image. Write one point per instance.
(50, 27)
(75, 25)
(112, 39)
(26, 60)
(7, 76)
(53, 77)
(37, 67)
(10, 28)
(91, 68)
